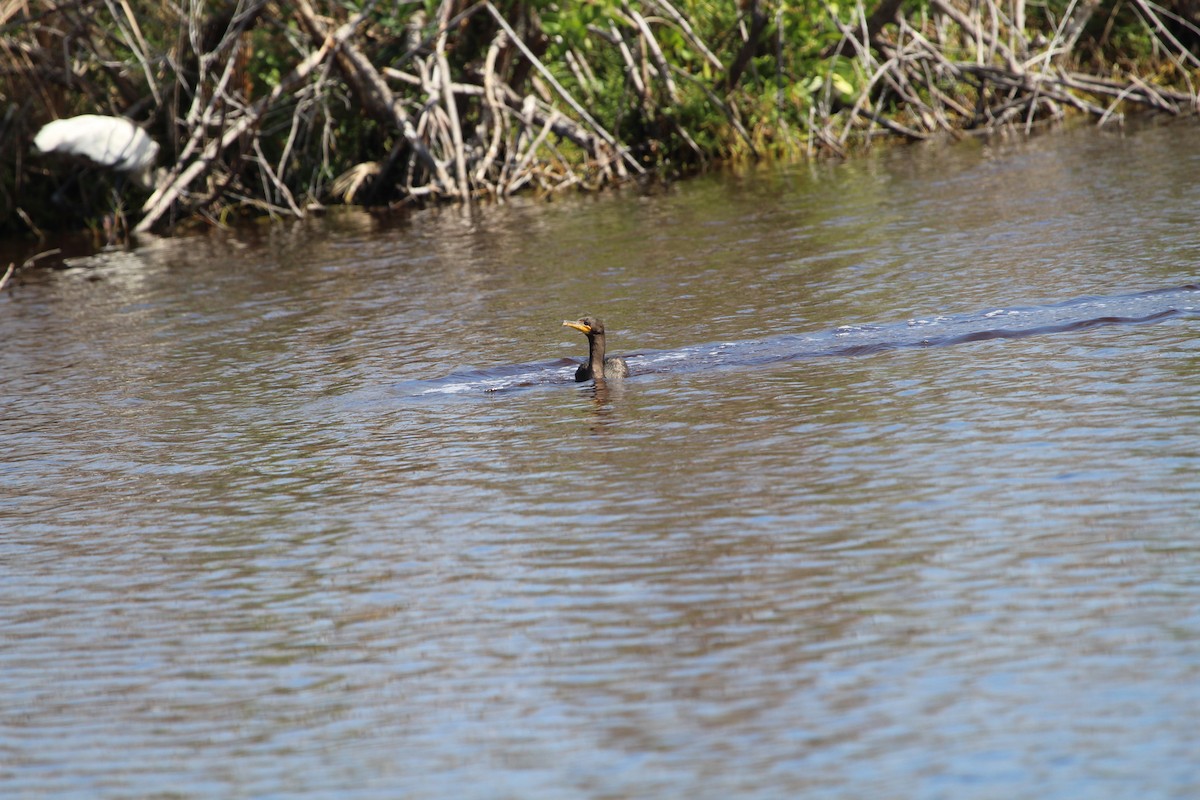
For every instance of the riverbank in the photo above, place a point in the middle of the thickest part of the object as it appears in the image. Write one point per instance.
(279, 109)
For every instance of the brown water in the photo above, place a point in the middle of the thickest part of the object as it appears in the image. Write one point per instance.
(901, 500)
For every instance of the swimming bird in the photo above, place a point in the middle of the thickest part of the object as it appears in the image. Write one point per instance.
(597, 365)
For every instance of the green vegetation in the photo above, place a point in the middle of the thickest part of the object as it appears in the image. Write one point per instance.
(279, 108)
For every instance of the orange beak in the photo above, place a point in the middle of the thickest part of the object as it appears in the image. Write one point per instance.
(579, 326)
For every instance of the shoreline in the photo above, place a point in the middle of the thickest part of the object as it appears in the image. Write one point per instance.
(290, 115)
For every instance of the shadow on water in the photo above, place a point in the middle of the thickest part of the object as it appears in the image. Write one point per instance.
(1016, 322)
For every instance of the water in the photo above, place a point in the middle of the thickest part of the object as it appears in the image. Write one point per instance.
(899, 501)
(847, 340)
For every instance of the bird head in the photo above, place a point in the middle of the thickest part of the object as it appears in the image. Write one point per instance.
(590, 326)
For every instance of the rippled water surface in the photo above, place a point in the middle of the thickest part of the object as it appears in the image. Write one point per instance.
(900, 501)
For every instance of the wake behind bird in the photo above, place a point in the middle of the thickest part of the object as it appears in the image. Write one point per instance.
(1009, 322)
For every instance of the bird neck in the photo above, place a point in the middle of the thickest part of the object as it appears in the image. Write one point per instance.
(596, 355)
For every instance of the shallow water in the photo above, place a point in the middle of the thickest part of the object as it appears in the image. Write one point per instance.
(900, 499)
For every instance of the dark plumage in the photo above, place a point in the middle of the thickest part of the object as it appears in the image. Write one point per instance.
(597, 366)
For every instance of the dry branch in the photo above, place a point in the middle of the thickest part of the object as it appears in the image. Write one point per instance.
(563, 93)
(686, 28)
(377, 98)
(169, 191)
(472, 107)
(656, 52)
(916, 65)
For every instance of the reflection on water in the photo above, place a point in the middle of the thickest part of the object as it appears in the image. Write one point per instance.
(848, 537)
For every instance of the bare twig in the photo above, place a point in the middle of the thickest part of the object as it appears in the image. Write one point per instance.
(26, 264)
(1148, 14)
(166, 194)
(631, 66)
(656, 52)
(563, 93)
(494, 106)
(373, 90)
(689, 34)
(444, 81)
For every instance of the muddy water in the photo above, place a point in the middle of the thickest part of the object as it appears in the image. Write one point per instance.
(901, 499)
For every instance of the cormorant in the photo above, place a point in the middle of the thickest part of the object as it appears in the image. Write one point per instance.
(597, 365)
